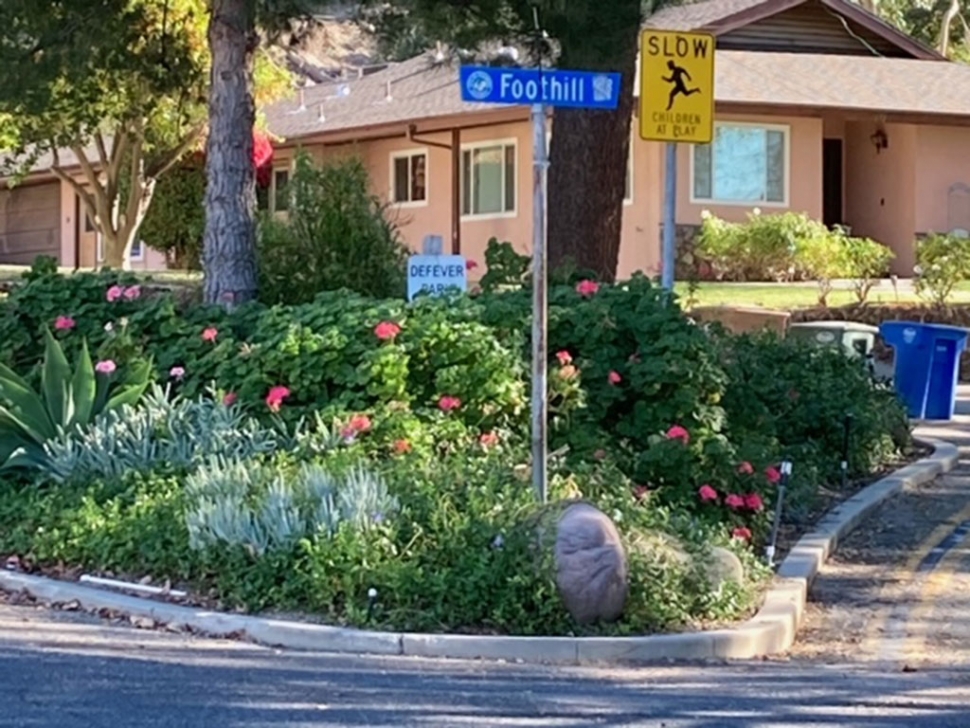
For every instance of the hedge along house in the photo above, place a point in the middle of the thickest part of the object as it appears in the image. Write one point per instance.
(821, 108)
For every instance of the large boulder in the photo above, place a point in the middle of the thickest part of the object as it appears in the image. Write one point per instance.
(591, 566)
(722, 565)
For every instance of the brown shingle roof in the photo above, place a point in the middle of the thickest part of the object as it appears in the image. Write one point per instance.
(888, 85)
(418, 89)
(884, 85)
(694, 16)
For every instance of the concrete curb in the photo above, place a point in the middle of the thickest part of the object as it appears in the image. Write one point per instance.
(771, 630)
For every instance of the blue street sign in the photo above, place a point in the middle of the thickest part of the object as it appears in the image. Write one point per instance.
(526, 86)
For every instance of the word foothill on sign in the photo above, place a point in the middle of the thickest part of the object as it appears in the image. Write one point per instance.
(676, 86)
(436, 274)
(526, 86)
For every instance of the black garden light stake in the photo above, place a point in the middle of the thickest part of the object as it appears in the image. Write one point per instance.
(779, 504)
(371, 602)
(846, 429)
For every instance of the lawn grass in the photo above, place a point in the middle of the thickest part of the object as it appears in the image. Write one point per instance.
(792, 296)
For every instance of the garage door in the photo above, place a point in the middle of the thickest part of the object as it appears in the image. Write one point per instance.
(30, 223)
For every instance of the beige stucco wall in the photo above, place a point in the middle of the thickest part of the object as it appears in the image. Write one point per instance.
(150, 260)
(942, 160)
(880, 198)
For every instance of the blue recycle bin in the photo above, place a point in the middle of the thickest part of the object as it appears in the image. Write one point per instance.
(927, 366)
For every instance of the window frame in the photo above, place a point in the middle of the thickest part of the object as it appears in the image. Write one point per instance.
(485, 144)
(289, 167)
(409, 154)
(99, 249)
(785, 129)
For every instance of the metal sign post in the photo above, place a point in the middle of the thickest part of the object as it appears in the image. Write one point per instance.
(540, 88)
(676, 105)
(540, 391)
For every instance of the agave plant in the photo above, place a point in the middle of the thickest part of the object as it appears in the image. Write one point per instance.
(67, 400)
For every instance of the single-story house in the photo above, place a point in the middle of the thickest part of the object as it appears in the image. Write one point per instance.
(821, 108)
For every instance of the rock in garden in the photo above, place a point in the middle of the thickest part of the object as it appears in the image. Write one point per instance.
(591, 567)
(722, 565)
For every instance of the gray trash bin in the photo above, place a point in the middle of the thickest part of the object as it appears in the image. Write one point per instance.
(855, 339)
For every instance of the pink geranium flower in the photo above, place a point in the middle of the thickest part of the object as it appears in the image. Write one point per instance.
(114, 293)
(564, 357)
(470, 265)
(230, 399)
(754, 502)
(741, 533)
(358, 424)
(132, 293)
(402, 447)
(707, 493)
(614, 378)
(678, 433)
(745, 468)
(105, 367)
(447, 404)
(386, 330)
(274, 400)
(210, 334)
(488, 439)
(734, 501)
(773, 474)
(176, 372)
(64, 323)
(587, 288)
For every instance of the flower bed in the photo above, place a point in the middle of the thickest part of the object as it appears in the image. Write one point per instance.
(367, 461)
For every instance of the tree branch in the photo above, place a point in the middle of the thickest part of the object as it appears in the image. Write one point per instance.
(102, 152)
(102, 212)
(169, 160)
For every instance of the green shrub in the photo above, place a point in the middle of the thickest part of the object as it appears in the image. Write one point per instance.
(336, 235)
(942, 261)
(765, 248)
(175, 221)
(821, 256)
(866, 261)
(505, 267)
(799, 395)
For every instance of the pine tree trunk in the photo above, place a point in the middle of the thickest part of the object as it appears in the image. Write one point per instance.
(229, 247)
(588, 161)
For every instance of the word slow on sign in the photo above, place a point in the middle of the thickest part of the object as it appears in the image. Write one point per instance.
(436, 274)
(522, 86)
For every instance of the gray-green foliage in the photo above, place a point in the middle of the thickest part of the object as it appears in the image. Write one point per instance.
(175, 432)
(262, 507)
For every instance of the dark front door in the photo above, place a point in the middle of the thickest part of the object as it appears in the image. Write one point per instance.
(832, 181)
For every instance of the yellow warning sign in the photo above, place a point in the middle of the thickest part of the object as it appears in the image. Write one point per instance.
(676, 86)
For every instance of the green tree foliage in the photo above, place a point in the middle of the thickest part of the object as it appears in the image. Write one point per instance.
(114, 88)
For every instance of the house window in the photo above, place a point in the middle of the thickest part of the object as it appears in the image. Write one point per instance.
(488, 179)
(745, 164)
(88, 223)
(281, 190)
(137, 249)
(409, 177)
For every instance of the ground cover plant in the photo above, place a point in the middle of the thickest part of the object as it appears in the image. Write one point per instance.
(309, 456)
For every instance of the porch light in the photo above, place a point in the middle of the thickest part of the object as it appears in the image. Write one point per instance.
(879, 140)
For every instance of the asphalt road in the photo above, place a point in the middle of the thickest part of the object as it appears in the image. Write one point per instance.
(66, 670)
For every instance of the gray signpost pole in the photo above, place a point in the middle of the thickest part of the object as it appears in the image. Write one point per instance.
(540, 404)
(670, 217)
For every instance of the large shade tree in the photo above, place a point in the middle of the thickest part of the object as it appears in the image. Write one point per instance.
(106, 95)
(229, 245)
(589, 149)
